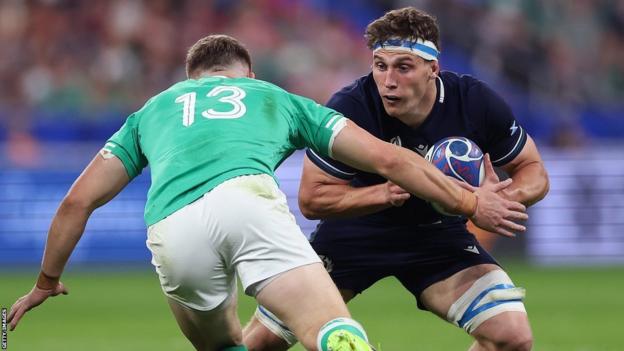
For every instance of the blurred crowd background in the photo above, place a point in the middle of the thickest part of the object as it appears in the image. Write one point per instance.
(73, 70)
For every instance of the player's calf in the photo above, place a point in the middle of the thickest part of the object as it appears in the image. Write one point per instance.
(340, 334)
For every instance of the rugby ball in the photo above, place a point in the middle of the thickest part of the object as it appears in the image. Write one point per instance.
(460, 158)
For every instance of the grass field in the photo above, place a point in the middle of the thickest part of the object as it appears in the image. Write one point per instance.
(570, 309)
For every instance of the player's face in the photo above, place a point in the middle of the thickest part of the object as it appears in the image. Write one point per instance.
(403, 80)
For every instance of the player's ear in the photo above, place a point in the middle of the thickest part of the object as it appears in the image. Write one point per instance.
(251, 75)
(435, 68)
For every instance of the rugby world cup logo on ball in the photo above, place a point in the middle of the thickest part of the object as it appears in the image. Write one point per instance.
(459, 158)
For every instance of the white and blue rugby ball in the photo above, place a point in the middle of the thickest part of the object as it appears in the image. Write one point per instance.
(460, 158)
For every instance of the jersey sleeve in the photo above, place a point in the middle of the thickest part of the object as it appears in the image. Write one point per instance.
(349, 107)
(124, 144)
(505, 136)
(315, 126)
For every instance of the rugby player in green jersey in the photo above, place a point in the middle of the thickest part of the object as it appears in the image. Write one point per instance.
(214, 210)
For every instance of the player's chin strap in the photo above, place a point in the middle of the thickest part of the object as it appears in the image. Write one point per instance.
(490, 295)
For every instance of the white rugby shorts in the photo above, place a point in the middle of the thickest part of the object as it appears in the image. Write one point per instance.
(242, 226)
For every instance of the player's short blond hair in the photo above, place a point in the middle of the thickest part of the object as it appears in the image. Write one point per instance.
(215, 51)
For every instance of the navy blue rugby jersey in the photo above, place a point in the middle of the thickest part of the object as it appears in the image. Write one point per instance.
(464, 106)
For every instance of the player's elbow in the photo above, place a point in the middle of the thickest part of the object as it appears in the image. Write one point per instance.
(542, 188)
(309, 212)
(322, 200)
(309, 204)
(77, 203)
(545, 188)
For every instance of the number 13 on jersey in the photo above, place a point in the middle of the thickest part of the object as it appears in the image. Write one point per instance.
(238, 108)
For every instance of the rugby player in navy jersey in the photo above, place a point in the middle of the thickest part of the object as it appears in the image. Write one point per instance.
(372, 229)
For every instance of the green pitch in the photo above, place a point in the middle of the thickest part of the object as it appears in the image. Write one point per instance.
(571, 309)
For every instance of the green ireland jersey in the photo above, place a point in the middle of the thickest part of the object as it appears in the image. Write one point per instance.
(199, 133)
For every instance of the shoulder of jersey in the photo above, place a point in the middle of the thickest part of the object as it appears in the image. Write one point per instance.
(356, 88)
(465, 80)
(263, 83)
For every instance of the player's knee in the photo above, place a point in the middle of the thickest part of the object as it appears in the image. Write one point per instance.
(514, 341)
(507, 331)
(522, 343)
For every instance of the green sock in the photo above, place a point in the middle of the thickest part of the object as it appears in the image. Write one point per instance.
(235, 348)
(327, 335)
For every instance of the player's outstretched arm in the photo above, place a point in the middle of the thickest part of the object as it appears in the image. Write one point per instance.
(98, 184)
(359, 149)
(322, 195)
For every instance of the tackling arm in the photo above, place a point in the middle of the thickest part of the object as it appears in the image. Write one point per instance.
(355, 147)
(530, 180)
(324, 196)
(98, 184)
(359, 149)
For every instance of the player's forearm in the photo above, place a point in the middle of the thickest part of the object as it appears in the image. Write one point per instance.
(530, 184)
(99, 183)
(420, 178)
(359, 149)
(343, 200)
(65, 232)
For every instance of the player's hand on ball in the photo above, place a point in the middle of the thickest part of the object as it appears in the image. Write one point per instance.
(490, 175)
(33, 299)
(496, 214)
(395, 194)
(492, 178)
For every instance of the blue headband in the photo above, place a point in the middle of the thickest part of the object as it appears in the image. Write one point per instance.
(423, 48)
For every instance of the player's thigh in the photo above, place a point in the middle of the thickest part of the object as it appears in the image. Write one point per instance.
(343, 261)
(304, 298)
(185, 254)
(263, 238)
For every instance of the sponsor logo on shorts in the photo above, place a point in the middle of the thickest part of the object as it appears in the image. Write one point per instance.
(473, 249)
